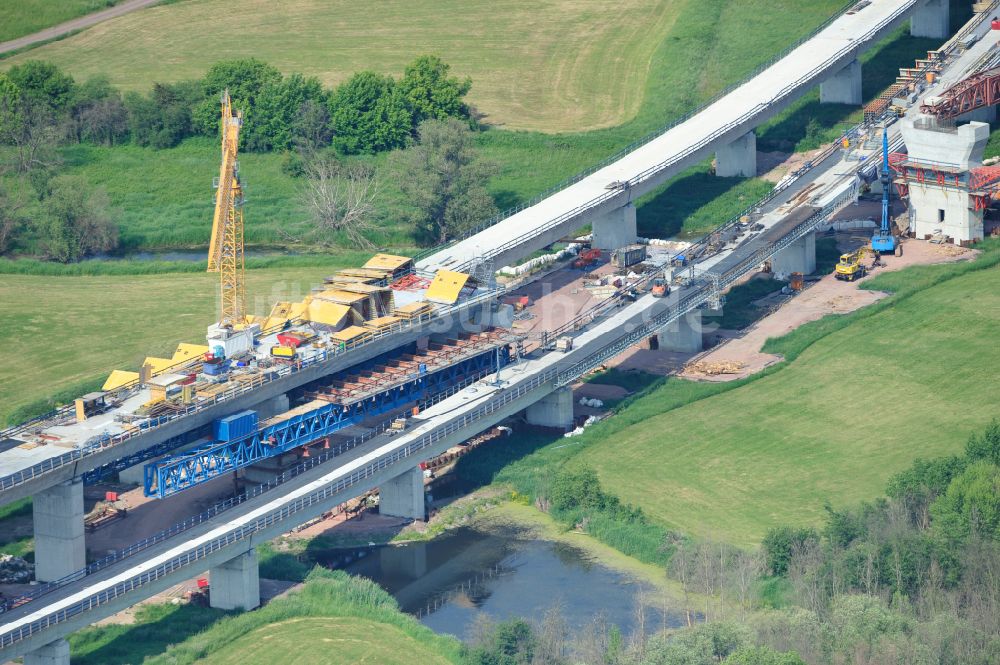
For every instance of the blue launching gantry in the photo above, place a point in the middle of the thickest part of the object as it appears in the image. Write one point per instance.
(348, 401)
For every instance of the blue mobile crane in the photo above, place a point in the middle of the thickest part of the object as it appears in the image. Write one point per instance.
(883, 242)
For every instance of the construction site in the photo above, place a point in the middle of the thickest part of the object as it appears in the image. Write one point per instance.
(355, 397)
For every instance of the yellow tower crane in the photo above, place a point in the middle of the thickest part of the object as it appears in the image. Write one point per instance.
(225, 252)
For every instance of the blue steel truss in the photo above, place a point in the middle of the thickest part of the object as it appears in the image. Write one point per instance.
(179, 472)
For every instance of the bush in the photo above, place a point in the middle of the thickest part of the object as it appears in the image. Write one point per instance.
(781, 542)
(368, 114)
(77, 222)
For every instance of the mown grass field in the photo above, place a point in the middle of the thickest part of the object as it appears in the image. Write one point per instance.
(323, 641)
(552, 65)
(65, 332)
(23, 17)
(855, 407)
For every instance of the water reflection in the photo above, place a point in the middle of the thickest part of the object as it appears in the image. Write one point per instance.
(446, 582)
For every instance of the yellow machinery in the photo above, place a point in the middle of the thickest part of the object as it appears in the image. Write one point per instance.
(225, 252)
(850, 268)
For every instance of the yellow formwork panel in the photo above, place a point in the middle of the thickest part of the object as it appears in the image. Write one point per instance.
(119, 378)
(187, 351)
(446, 287)
(157, 364)
(389, 262)
(341, 296)
(351, 334)
(326, 313)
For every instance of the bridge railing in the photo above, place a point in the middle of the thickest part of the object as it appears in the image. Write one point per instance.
(556, 376)
(100, 443)
(704, 143)
(638, 143)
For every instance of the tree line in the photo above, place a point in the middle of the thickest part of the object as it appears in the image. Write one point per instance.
(367, 113)
(911, 578)
(318, 129)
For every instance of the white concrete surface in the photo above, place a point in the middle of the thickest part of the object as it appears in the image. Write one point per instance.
(60, 548)
(554, 410)
(616, 228)
(844, 87)
(56, 653)
(235, 585)
(403, 496)
(945, 209)
(737, 158)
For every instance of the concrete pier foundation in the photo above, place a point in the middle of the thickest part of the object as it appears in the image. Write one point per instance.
(738, 159)
(935, 209)
(235, 585)
(800, 256)
(55, 653)
(403, 496)
(554, 410)
(844, 87)
(60, 548)
(931, 19)
(615, 229)
(683, 335)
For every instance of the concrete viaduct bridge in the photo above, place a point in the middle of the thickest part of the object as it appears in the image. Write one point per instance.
(224, 539)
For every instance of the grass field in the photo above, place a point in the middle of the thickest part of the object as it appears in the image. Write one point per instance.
(323, 641)
(23, 17)
(63, 332)
(853, 408)
(587, 59)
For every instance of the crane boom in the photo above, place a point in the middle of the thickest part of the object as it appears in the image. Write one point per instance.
(225, 251)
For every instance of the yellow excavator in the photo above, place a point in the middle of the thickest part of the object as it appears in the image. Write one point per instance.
(850, 267)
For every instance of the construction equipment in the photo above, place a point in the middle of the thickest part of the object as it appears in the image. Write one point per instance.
(586, 258)
(659, 288)
(883, 241)
(850, 267)
(225, 251)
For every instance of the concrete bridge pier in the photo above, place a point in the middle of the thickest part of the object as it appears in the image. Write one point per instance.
(60, 547)
(800, 256)
(403, 496)
(932, 19)
(738, 159)
(935, 209)
(554, 410)
(54, 653)
(615, 229)
(684, 334)
(235, 585)
(844, 87)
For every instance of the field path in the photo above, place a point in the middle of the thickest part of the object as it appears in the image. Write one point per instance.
(75, 24)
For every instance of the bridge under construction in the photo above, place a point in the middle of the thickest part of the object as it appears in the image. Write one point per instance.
(388, 365)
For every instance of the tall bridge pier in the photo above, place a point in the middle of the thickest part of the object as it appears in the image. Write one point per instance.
(58, 523)
(932, 19)
(844, 87)
(739, 158)
(799, 256)
(235, 584)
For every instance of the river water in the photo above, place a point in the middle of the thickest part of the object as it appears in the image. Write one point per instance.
(447, 582)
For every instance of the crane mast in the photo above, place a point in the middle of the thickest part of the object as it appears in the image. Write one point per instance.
(225, 251)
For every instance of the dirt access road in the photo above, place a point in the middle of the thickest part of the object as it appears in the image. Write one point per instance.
(827, 296)
(64, 29)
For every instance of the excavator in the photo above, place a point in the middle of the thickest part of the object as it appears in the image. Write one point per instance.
(850, 267)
